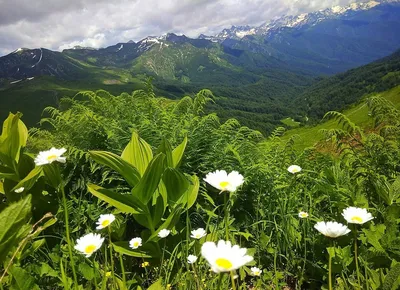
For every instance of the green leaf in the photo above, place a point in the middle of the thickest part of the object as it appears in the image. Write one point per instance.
(22, 280)
(52, 174)
(169, 223)
(146, 187)
(193, 191)
(86, 271)
(12, 219)
(138, 153)
(156, 286)
(30, 179)
(129, 172)
(177, 153)
(125, 203)
(392, 279)
(13, 138)
(176, 184)
(165, 148)
(123, 248)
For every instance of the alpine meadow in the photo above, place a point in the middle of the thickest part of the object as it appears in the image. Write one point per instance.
(263, 156)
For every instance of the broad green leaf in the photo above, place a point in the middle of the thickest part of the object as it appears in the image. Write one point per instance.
(30, 179)
(156, 286)
(22, 280)
(125, 203)
(177, 153)
(12, 220)
(169, 223)
(193, 191)
(165, 148)
(52, 174)
(176, 184)
(130, 173)
(13, 138)
(157, 210)
(138, 153)
(8, 173)
(123, 248)
(86, 271)
(150, 180)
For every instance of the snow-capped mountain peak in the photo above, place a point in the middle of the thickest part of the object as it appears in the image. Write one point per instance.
(296, 21)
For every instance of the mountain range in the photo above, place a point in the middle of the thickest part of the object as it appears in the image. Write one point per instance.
(257, 72)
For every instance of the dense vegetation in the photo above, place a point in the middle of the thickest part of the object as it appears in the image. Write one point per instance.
(337, 92)
(143, 159)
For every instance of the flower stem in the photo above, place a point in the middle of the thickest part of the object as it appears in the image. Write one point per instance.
(111, 255)
(220, 281)
(356, 256)
(233, 281)
(121, 261)
(162, 258)
(68, 236)
(226, 217)
(330, 269)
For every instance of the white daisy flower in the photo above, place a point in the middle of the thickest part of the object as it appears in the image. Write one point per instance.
(135, 243)
(104, 221)
(164, 233)
(191, 259)
(89, 244)
(294, 169)
(49, 156)
(356, 215)
(303, 214)
(198, 234)
(224, 257)
(223, 181)
(332, 229)
(255, 271)
(19, 190)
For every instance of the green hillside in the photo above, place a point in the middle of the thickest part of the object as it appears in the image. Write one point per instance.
(310, 135)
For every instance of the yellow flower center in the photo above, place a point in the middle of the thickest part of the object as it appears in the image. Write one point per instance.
(295, 170)
(108, 274)
(136, 244)
(357, 219)
(257, 273)
(223, 184)
(89, 249)
(303, 215)
(223, 263)
(105, 223)
(51, 157)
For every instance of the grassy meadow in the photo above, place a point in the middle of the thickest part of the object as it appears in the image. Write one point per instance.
(134, 191)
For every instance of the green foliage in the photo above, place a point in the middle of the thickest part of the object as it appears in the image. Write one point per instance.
(144, 158)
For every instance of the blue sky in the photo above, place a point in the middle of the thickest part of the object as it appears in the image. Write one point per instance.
(59, 24)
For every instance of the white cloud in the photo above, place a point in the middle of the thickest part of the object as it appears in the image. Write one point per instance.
(59, 24)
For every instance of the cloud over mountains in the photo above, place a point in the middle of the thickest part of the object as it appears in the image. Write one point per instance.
(60, 24)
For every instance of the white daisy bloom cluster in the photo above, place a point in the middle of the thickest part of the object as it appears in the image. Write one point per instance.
(223, 181)
(89, 244)
(294, 169)
(303, 215)
(19, 190)
(255, 271)
(332, 229)
(164, 233)
(104, 221)
(356, 215)
(49, 156)
(191, 259)
(223, 257)
(135, 243)
(198, 234)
